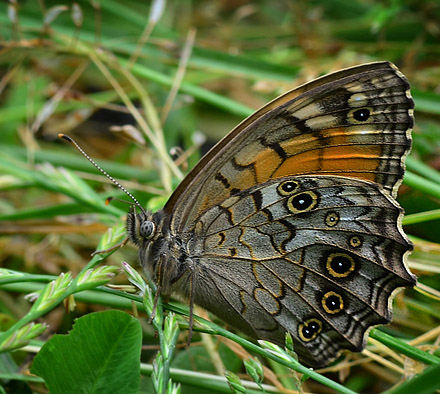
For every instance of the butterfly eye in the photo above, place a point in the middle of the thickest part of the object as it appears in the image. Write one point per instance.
(146, 229)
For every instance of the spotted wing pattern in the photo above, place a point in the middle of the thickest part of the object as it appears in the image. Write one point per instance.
(318, 257)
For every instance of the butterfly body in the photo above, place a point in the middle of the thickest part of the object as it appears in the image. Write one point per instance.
(290, 223)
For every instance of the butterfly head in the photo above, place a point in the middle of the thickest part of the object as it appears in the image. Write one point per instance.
(160, 254)
(144, 231)
(141, 227)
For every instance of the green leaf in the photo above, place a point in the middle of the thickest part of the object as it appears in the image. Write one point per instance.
(100, 355)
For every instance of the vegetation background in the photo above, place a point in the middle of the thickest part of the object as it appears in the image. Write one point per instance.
(130, 81)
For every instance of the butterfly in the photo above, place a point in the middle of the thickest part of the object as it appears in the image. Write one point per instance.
(290, 223)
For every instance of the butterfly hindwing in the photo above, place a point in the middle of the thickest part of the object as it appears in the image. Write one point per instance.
(301, 252)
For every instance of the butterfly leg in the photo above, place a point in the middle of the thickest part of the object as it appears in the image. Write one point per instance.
(191, 308)
(111, 249)
(159, 280)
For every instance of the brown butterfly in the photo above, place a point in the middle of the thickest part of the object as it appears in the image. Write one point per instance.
(290, 223)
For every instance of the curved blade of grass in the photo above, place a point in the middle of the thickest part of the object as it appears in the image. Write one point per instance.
(423, 169)
(426, 101)
(427, 382)
(75, 161)
(421, 217)
(285, 360)
(404, 348)
(59, 181)
(422, 184)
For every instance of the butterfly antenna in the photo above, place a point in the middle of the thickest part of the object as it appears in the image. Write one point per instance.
(74, 143)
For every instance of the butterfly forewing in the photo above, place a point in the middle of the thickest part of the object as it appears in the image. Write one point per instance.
(355, 123)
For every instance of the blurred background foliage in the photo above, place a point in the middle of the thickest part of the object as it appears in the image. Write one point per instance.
(107, 72)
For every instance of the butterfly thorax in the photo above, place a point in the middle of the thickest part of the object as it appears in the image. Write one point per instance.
(163, 255)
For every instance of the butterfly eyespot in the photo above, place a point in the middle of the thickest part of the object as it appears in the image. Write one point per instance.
(355, 241)
(287, 188)
(332, 302)
(332, 219)
(146, 229)
(309, 330)
(361, 114)
(340, 265)
(302, 202)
